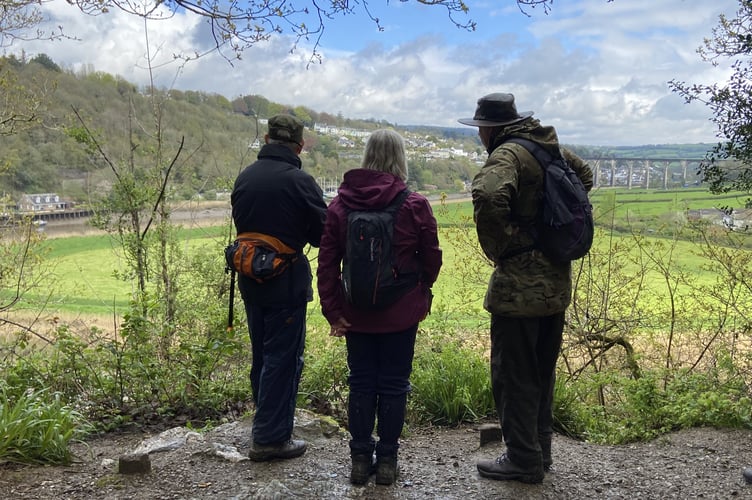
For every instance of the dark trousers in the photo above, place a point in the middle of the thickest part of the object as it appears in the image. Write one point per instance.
(523, 372)
(380, 366)
(277, 342)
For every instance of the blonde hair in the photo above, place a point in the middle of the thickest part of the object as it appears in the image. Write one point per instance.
(385, 152)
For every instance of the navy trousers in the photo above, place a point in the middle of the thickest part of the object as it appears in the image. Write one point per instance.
(277, 342)
(380, 365)
(523, 372)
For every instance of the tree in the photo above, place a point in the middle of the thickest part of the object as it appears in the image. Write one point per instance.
(20, 104)
(239, 24)
(20, 20)
(730, 103)
(236, 24)
(304, 115)
(44, 60)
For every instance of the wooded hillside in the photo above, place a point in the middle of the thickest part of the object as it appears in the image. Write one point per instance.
(83, 117)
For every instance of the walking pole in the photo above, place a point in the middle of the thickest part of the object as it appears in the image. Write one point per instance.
(232, 298)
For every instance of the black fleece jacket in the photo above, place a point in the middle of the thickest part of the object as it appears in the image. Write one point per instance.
(274, 196)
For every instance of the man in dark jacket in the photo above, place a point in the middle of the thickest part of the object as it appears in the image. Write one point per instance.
(527, 293)
(274, 196)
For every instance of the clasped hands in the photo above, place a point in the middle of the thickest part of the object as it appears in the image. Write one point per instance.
(339, 327)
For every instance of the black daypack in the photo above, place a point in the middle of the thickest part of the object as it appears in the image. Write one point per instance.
(564, 229)
(370, 277)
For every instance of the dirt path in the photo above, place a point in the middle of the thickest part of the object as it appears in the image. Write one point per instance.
(434, 462)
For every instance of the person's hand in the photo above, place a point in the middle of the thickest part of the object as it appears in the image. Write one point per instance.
(339, 327)
(430, 301)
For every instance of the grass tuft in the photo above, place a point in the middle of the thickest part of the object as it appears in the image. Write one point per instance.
(37, 427)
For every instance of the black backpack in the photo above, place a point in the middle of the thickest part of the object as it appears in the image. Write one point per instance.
(564, 229)
(370, 277)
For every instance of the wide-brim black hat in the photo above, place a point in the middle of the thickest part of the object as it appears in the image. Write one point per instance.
(494, 110)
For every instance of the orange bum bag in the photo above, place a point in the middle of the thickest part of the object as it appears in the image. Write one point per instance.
(259, 256)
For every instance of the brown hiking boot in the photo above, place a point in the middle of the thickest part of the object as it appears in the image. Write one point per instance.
(287, 449)
(503, 469)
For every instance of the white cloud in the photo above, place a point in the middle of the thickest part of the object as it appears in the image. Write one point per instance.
(596, 70)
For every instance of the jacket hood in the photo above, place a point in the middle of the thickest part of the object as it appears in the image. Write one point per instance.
(531, 130)
(363, 189)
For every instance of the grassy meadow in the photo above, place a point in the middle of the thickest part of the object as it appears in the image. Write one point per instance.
(85, 271)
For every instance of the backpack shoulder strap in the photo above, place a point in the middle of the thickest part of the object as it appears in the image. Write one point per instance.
(543, 157)
(391, 208)
(539, 153)
(397, 202)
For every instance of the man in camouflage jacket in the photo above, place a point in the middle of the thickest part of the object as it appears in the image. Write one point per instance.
(527, 293)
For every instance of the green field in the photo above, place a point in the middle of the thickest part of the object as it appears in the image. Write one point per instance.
(84, 269)
(659, 203)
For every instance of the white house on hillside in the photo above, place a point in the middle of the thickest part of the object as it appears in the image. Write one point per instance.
(44, 202)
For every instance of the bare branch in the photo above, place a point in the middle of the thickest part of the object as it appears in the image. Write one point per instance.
(20, 20)
(239, 24)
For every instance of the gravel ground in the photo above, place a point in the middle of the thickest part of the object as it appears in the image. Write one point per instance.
(434, 463)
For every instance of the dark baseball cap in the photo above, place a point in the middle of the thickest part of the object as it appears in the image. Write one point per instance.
(286, 128)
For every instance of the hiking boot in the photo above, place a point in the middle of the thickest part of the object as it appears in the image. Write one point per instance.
(288, 449)
(362, 468)
(503, 469)
(386, 471)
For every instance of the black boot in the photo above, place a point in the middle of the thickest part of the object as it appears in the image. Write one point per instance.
(362, 468)
(361, 419)
(386, 470)
(391, 412)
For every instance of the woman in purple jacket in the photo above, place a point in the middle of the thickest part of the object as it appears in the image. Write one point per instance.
(380, 343)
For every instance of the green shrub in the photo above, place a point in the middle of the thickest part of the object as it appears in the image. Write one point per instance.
(657, 403)
(451, 384)
(323, 386)
(37, 427)
(567, 410)
(707, 399)
(634, 364)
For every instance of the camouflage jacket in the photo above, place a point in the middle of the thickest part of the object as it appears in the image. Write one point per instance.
(505, 200)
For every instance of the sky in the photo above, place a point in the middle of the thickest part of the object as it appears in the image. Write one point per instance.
(598, 71)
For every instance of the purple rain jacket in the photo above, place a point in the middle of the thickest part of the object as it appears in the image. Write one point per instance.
(416, 246)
